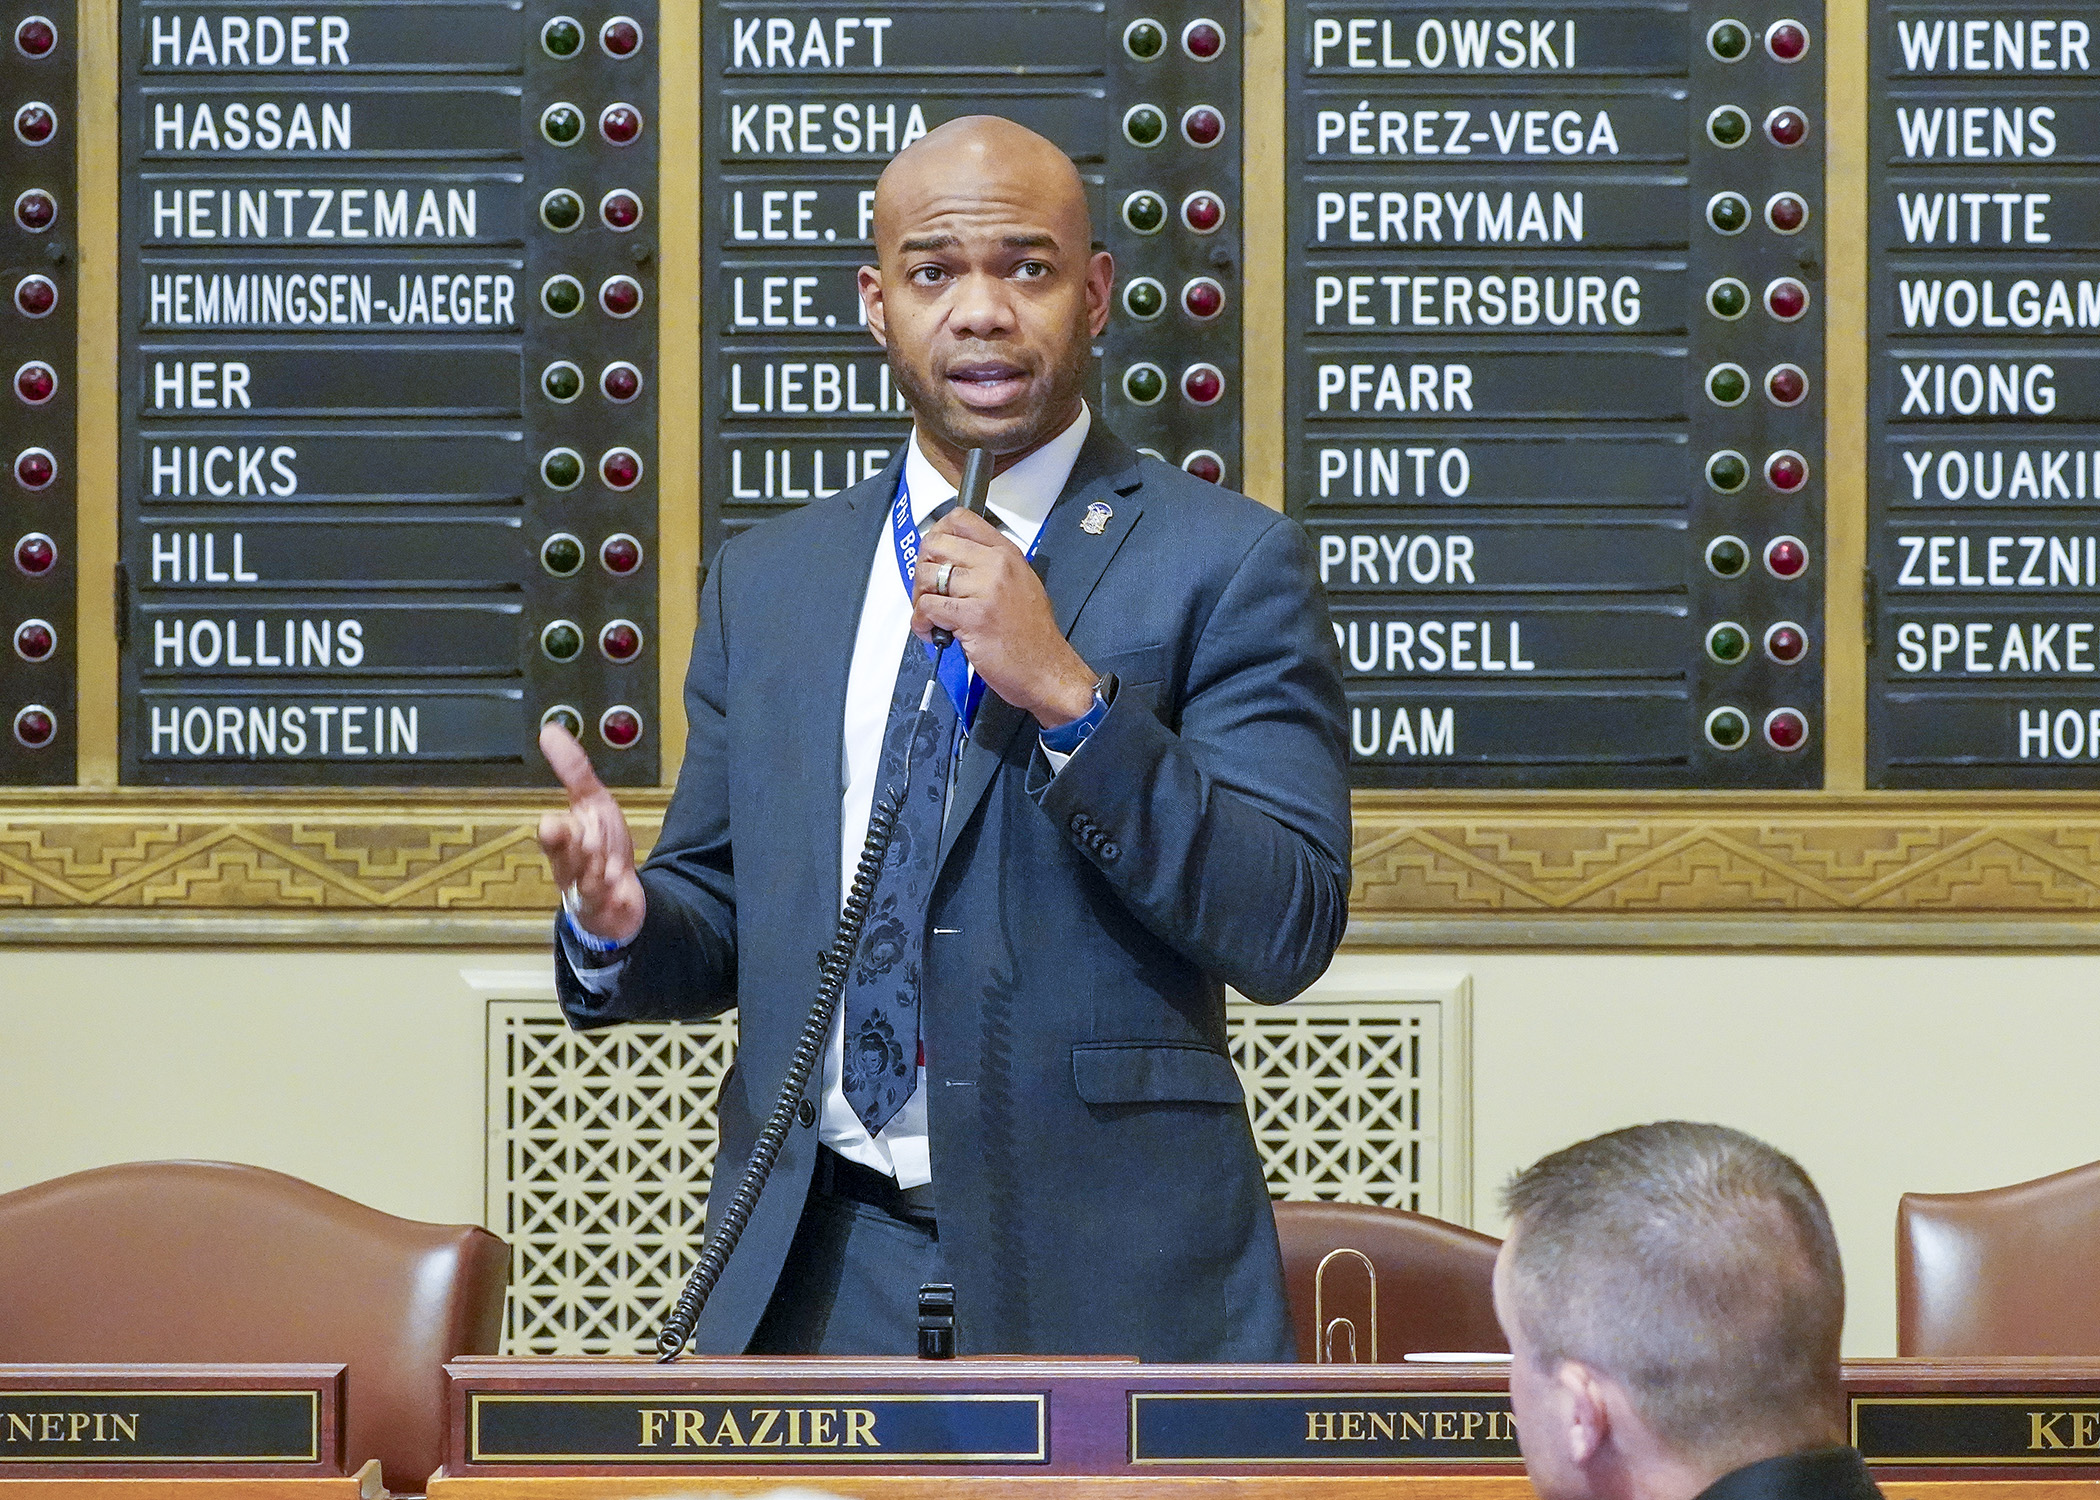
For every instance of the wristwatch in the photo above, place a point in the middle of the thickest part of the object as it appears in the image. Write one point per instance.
(1066, 738)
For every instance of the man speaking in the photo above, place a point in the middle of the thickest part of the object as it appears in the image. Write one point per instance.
(1127, 791)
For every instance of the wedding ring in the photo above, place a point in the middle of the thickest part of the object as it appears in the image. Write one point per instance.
(941, 576)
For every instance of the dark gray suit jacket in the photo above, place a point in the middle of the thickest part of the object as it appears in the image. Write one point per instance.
(1098, 1183)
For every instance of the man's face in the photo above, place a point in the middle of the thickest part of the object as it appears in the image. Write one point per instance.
(987, 299)
(1538, 1401)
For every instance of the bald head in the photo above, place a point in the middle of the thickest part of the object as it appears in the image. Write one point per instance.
(976, 159)
(987, 292)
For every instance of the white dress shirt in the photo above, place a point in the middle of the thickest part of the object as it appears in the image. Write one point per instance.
(1019, 502)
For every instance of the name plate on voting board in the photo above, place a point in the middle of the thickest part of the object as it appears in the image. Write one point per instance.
(64, 1421)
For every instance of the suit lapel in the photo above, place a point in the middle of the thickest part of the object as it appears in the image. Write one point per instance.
(829, 611)
(1071, 562)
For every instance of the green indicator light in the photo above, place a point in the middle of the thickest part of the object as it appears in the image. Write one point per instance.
(1144, 384)
(1727, 557)
(1145, 212)
(1727, 644)
(562, 296)
(562, 641)
(561, 37)
(1144, 298)
(1727, 126)
(1144, 39)
(561, 124)
(561, 210)
(1728, 212)
(1727, 471)
(561, 554)
(1728, 40)
(1144, 125)
(561, 381)
(562, 469)
(565, 716)
(1726, 385)
(1727, 729)
(1728, 298)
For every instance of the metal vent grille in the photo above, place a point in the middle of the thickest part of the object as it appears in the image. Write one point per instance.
(602, 1144)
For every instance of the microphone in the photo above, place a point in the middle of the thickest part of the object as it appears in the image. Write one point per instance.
(974, 494)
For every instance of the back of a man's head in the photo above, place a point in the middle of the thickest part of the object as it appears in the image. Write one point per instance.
(1694, 1266)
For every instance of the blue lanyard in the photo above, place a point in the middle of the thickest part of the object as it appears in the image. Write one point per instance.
(965, 688)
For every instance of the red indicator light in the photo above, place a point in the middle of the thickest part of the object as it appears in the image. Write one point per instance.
(620, 641)
(620, 381)
(36, 382)
(1201, 213)
(35, 640)
(1786, 299)
(1203, 39)
(620, 124)
(35, 124)
(1786, 213)
(1786, 557)
(36, 554)
(620, 555)
(1786, 471)
(620, 468)
(620, 296)
(1203, 299)
(1202, 125)
(1786, 643)
(1786, 385)
(1786, 126)
(1786, 41)
(1205, 465)
(35, 468)
(35, 727)
(620, 209)
(35, 296)
(1786, 729)
(35, 37)
(621, 36)
(36, 210)
(1203, 384)
(620, 727)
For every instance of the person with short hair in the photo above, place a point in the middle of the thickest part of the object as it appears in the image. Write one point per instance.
(1673, 1300)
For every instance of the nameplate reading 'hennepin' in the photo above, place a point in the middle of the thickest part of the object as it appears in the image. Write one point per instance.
(787, 1427)
(133, 1427)
(1996, 1430)
(1322, 1427)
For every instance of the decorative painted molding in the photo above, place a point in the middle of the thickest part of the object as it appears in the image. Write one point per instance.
(460, 866)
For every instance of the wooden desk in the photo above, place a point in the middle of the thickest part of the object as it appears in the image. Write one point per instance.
(1014, 1430)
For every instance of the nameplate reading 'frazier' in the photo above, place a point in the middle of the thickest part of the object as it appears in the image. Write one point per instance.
(1322, 1427)
(785, 1427)
(133, 1427)
(2041, 1429)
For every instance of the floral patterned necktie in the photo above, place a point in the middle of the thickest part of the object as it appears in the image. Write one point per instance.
(881, 1065)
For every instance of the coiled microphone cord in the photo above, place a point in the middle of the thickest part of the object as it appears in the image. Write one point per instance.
(832, 969)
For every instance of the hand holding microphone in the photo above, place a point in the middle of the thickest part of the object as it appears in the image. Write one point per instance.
(974, 585)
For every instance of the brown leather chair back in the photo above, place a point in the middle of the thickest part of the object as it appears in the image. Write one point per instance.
(2011, 1270)
(1434, 1283)
(206, 1262)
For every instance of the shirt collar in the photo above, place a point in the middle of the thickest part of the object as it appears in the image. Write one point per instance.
(1021, 496)
(1817, 1474)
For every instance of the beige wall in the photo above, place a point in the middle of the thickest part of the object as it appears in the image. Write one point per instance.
(363, 1071)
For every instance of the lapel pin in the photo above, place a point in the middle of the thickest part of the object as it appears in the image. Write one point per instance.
(1096, 519)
